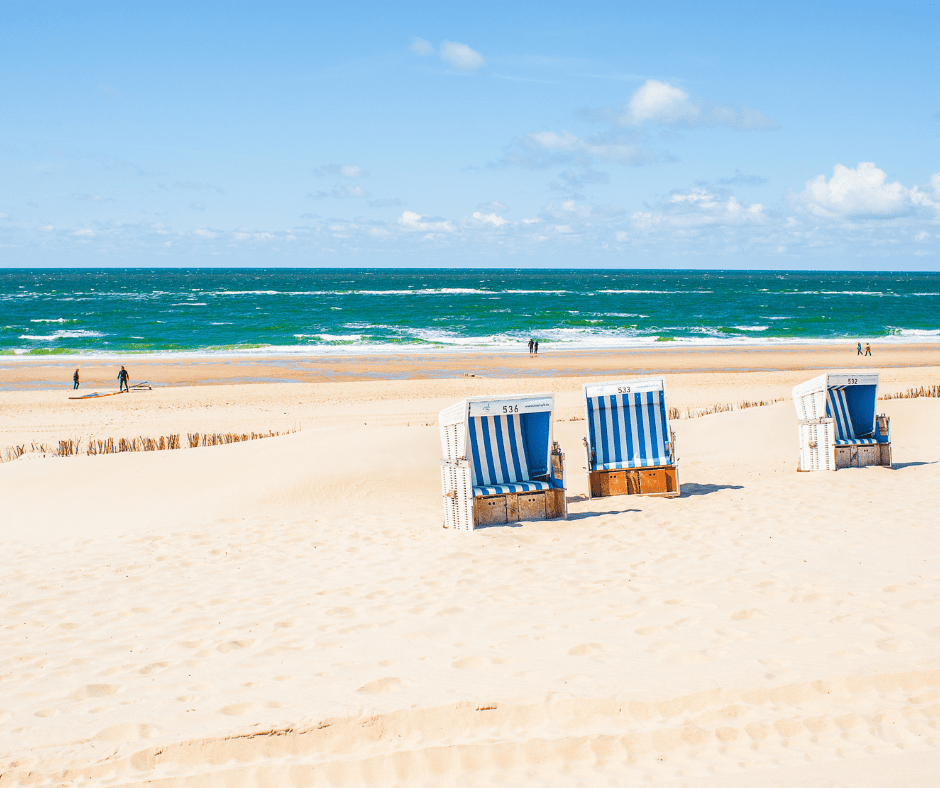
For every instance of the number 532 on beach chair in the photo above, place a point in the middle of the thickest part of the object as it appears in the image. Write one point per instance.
(630, 448)
(838, 426)
(500, 464)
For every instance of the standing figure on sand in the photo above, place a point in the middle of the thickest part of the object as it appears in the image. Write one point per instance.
(75, 380)
(122, 380)
(531, 344)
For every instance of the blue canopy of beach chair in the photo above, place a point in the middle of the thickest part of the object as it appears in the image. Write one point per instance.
(852, 407)
(629, 430)
(509, 452)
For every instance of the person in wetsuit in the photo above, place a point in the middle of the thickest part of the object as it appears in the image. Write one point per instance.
(122, 380)
(75, 380)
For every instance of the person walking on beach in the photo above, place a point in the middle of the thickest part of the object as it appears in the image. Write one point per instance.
(75, 380)
(531, 343)
(867, 349)
(859, 349)
(536, 348)
(122, 380)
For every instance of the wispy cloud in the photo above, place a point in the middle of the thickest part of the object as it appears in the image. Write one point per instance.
(453, 53)
(340, 171)
(340, 191)
(659, 103)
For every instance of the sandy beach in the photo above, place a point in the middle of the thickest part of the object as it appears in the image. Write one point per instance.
(289, 611)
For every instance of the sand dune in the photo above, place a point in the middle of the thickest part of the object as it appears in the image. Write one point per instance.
(290, 612)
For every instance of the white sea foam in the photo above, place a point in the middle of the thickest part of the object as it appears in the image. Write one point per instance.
(61, 335)
(53, 320)
(656, 292)
(915, 332)
(752, 328)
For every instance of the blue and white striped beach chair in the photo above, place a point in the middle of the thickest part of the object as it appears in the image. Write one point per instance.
(630, 447)
(500, 464)
(838, 426)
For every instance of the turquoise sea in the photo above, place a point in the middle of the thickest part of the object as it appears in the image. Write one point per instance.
(313, 311)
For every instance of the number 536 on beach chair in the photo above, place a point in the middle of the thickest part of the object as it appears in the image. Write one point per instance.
(500, 464)
(630, 448)
(838, 426)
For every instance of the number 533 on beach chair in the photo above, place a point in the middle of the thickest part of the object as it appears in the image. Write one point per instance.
(630, 448)
(500, 464)
(838, 426)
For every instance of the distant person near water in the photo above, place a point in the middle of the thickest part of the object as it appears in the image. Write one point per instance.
(867, 349)
(75, 380)
(531, 344)
(122, 380)
(536, 348)
(859, 349)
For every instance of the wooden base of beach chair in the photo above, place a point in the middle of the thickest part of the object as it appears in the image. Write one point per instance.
(863, 456)
(663, 482)
(513, 507)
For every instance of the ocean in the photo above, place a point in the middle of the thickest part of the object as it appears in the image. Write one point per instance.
(323, 311)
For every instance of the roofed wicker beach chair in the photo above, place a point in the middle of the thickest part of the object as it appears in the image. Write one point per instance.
(838, 425)
(500, 463)
(630, 447)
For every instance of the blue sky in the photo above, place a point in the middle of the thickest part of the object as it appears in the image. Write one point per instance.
(728, 135)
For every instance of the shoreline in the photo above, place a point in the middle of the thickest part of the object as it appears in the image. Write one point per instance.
(19, 373)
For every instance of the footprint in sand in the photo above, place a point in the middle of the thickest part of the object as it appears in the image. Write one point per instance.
(586, 649)
(153, 668)
(126, 733)
(470, 663)
(236, 709)
(743, 615)
(388, 684)
(233, 645)
(47, 713)
(95, 691)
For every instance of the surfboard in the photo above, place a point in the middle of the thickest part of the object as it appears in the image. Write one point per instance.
(95, 394)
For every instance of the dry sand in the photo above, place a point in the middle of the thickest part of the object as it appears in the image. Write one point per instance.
(289, 611)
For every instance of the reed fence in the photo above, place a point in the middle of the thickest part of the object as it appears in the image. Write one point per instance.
(923, 391)
(95, 446)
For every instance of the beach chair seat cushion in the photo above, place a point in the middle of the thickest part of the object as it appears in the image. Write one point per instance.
(513, 487)
(856, 441)
(628, 464)
(629, 430)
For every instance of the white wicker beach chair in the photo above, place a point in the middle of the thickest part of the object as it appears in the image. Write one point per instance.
(630, 447)
(838, 426)
(500, 463)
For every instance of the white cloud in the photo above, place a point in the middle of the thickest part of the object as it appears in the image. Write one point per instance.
(461, 56)
(494, 206)
(698, 208)
(859, 193)
(47, 228)
(421, 47)
(342, 191)
(415, 221)
(86, 233)
(656, 102)
(341, 170)
(489, 218)
(204, 233)
(567, 143)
